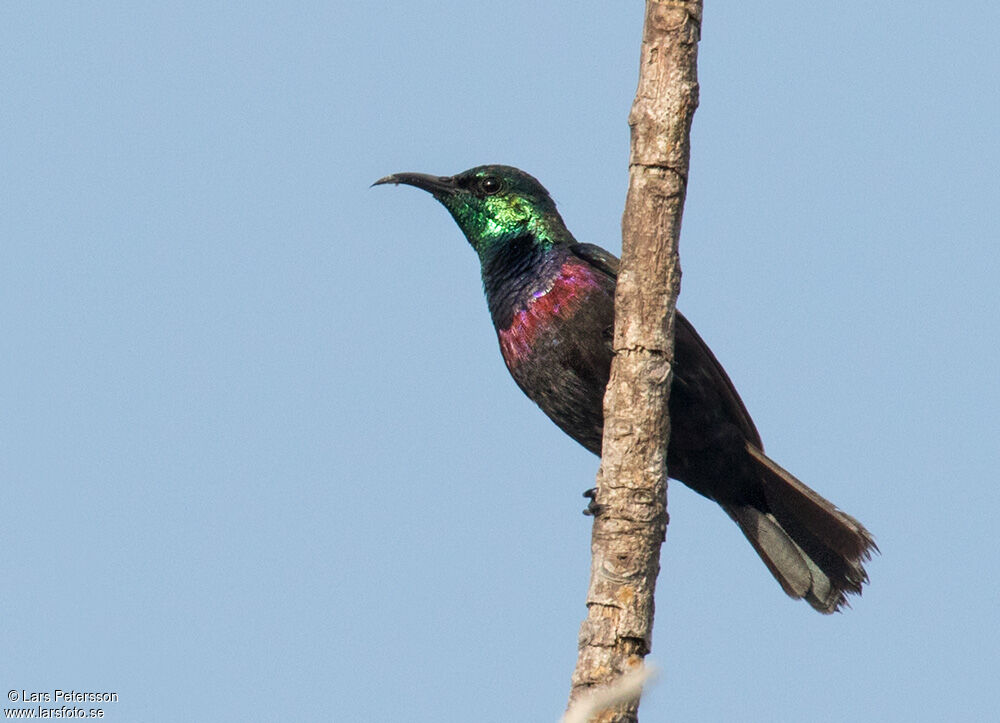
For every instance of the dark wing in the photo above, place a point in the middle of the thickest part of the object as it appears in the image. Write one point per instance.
(598, 258)
(701, 357)
(694, 347)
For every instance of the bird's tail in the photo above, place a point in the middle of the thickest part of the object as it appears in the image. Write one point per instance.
(813, 549)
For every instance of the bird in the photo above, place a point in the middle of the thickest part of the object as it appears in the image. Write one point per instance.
(551, 300)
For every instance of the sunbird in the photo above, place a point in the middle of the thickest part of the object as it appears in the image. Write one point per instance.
(551, 299)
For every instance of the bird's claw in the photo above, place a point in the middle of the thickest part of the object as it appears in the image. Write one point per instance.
(593, 507)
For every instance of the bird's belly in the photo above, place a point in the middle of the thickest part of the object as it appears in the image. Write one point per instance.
(563, 366)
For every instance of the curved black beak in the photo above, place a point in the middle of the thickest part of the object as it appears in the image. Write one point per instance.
(437, 185)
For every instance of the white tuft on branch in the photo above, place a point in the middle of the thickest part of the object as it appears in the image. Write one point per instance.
(626, 688)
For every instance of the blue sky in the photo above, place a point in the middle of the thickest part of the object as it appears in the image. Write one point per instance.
(260, 456)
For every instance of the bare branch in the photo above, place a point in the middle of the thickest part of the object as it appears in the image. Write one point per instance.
(626, 538)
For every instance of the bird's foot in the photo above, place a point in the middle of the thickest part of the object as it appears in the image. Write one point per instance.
(593, 508)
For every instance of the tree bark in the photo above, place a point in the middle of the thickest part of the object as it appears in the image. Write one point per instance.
(632, 480)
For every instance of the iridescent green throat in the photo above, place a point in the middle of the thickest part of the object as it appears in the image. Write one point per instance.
(492, 222)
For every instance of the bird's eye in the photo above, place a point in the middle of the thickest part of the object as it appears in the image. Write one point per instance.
(490, 185)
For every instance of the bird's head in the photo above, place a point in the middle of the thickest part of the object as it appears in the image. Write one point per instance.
(492, 204)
